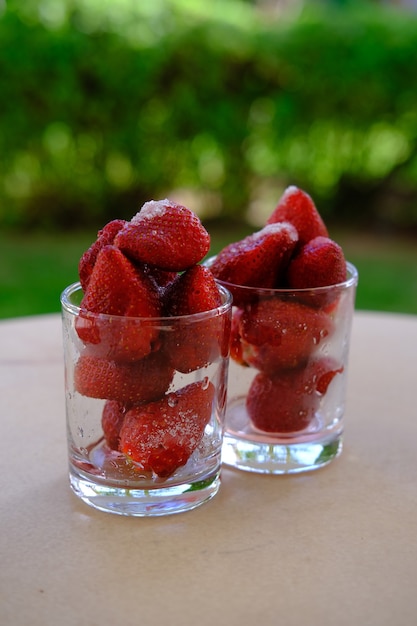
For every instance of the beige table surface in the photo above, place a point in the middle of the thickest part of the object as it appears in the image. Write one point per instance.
(334, 547)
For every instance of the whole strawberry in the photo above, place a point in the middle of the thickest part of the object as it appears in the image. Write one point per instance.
(105, 236)
(288, 402)
(166, 235)
(298, 208)
(121, 290)
(319, 263)
(161, 436)
(127, 383)
(277, 334)
(258, 260)
(194, 343)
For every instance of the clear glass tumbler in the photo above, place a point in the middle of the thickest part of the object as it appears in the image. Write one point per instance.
(145, 405)
(287, 376)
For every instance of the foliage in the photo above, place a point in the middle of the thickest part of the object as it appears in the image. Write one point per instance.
(106, 104)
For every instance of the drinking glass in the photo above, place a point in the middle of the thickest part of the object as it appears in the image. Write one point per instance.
(145, 406)
(287, 376)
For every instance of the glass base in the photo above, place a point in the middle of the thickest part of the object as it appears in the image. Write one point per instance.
(150, 502)
(279, 458)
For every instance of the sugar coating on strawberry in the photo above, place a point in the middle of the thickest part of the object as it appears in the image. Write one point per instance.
(194, 343)
(166, 235)
(297, 207)
(288, 402)
(278, 334)
(127, 383)
(105, 236)
(118, 288)
(319, 263)
(258, 260)
(111, 422)
(161, 436)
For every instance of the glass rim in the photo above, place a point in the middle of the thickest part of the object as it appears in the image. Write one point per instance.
(351, 281)
(77, 310)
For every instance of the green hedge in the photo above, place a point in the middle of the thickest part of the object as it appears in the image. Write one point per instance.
(108, 103)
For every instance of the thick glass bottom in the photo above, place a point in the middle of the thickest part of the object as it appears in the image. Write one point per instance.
(248, 448)
(149, 502)
(280, 458)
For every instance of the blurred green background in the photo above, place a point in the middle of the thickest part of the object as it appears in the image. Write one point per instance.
(219, 105)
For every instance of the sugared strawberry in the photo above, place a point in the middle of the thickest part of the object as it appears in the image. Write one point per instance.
(128, 383)
(279, 334)
(105, 236)
(161, 278)
(193, 291)
(166, 235)
(161, 436)
(280, 404)
(288, 402)
(319, 263)
(111, 422)
(118, 288)
(193, 343)
(298, 208)
(258, 260)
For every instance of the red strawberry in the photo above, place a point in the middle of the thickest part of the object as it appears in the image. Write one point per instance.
(194, 291)
(118, 288)
(288, 402)
(297, 207)
(280, 404)
(105, 236)
(161, 436)
(319, 263)
(128, 383)
(278, 334)
(258, 260)
(111, 422)
(194, 343)
(324, 371)
(166, 235)
(161, 278)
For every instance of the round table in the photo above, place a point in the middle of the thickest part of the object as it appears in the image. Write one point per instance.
(335, 546)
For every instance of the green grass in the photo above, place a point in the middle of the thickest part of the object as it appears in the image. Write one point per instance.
(387, 269)
(35, 268)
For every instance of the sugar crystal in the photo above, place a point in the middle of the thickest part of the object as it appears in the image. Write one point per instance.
(152, 209)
